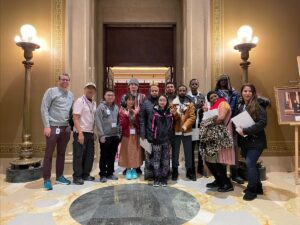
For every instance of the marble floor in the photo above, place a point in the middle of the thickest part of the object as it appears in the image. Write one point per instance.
(137, 202)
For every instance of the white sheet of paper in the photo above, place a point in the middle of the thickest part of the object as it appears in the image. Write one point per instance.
(195, 134)
(132, 131)
(113, 125)
(243, 120)
(210, 113)
(146, 145)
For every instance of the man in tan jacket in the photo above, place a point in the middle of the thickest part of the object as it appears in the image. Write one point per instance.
(183, 111)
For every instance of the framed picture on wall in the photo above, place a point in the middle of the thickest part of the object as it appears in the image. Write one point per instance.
(288, 104)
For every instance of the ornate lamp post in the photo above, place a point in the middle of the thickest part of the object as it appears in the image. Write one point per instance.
(26, 168)
(244, 43)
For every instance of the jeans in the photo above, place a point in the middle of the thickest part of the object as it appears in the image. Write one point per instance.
(252, 155)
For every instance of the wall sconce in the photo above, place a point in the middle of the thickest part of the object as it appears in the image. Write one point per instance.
(244, 43)
(26, 168)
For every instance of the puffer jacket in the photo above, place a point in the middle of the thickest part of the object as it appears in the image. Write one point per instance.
(184, 116)
(162, 126)
(256, 136)
(146, 113)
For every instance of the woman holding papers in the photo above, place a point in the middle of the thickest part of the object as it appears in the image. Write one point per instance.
(218, 149)
(131, 155)
(162, 131)
(252, 139)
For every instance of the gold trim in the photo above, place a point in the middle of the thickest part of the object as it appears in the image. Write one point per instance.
(11, 150)
(280, 148)
(57, 38)
(217, 39)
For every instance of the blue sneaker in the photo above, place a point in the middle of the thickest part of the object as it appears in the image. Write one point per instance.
(48, 185)
(128, 174)
(134, 174)
(62, 180)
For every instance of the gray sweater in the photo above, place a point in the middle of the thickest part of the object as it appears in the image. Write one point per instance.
(106, 118)
(55, 108)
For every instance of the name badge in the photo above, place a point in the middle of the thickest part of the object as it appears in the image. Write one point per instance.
(132, 131)
(108, 112)
(113, 125)
(57, 131)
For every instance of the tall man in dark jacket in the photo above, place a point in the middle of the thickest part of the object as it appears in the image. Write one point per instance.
(146, 113)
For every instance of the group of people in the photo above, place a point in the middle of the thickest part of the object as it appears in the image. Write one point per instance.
(163, 121)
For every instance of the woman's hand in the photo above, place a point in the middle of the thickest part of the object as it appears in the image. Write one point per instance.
(240, 131)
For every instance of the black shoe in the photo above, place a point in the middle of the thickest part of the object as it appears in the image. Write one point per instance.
(225, 188)
(175, 173)
(200, 170)
(213, 184)
(89, 178)
(238, 180)
(249, 196)
(78, 181)
(138, 171)
(156, 183)
(259, 190)
(164, 182)
(191, 175)
(124, 172)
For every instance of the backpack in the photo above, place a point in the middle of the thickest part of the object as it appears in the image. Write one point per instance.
(71, 121)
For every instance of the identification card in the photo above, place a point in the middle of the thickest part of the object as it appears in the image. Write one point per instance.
(113, 125)
(132, 131)
(57, 131)
(108, 112)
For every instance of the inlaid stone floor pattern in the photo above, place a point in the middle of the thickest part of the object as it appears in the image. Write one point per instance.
(136, 202)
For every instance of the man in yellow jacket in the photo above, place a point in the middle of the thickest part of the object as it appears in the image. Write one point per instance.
(183, 110)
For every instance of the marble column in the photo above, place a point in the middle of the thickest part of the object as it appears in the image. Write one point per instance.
(79, 50)
(196, 42)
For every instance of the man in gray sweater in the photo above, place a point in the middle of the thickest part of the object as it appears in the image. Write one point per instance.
(108, 129)
(55, 109)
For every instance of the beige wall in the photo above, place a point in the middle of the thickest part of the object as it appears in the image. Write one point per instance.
(273, 61)
(13, 14)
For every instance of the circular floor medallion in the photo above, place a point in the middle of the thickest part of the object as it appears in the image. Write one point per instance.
(135, 204)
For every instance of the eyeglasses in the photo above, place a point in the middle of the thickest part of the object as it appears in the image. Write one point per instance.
(65, 80)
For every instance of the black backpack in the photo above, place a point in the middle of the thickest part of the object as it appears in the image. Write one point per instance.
(71, 121)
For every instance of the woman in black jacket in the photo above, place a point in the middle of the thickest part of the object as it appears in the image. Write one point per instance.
(252, 140)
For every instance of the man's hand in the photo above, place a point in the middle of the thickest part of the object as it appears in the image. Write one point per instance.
(80, 138)
(102, 139)
(47, 131)
(184, 128)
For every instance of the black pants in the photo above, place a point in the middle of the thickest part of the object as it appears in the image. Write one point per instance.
(219, 172)
(108, 151)
(83, 155)
(200, 161)
(187, 147)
